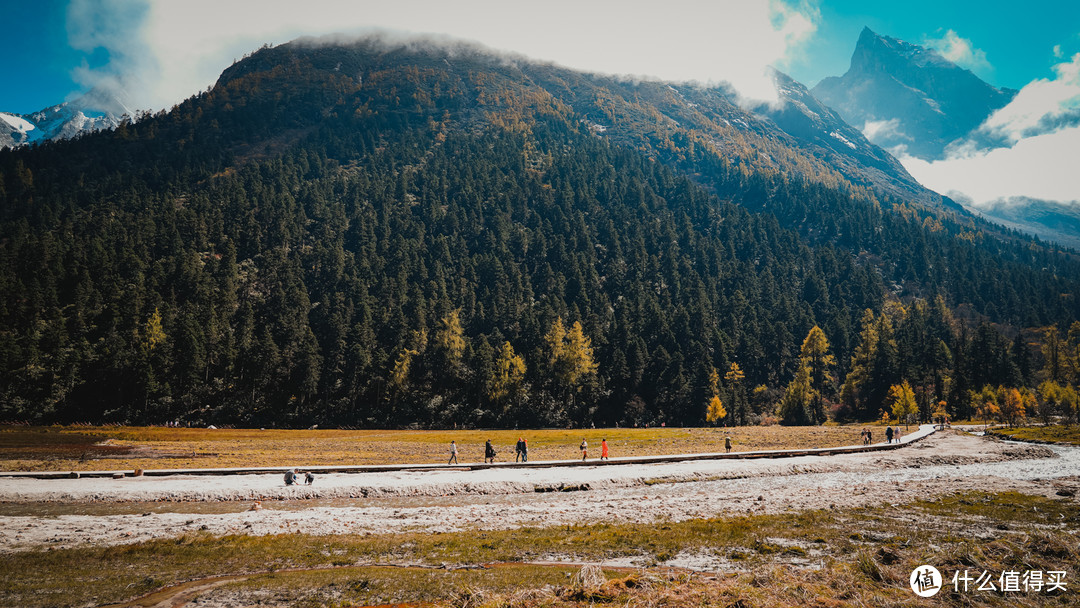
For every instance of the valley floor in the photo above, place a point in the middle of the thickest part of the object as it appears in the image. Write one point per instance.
(69, 516)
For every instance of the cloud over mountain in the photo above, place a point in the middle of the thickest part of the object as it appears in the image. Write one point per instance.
(1025, 149)
(166, 51)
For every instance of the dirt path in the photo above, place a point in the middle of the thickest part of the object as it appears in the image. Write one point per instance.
(461, 500)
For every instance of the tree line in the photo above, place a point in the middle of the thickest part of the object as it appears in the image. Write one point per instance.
(293, 248)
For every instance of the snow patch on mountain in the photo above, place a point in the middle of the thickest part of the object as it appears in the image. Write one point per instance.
(94, 111)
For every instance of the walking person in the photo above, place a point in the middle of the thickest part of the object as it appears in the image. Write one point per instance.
(489, 452)
(453, 453)
(603, 450)
(584, 450)
(524, 450)
(888, 434)
(519, 449)
(896, 434)
(727, 443)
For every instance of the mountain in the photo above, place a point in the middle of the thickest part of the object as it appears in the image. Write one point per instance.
(1049, 220)
(94, 111)
(405, 233)
(908, 98)
(822, 131)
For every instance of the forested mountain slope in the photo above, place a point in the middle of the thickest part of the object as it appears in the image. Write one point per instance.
(385, 235)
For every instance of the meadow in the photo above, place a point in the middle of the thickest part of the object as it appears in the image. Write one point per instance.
(77, 448)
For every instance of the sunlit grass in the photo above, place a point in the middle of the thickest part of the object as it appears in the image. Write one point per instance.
(78, 448)
(864, 555)
(1055, 433)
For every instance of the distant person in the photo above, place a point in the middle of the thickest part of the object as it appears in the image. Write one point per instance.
(453, 453)
(290, 476)
(519, 449)
(584, 450)
(896, 434)
(309, 478)
(489, 452)
(727, 444)
(524, 450)
(603, 450)
(869, 437)
(888, 434)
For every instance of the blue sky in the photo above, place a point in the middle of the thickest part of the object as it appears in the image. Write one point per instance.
(1018, 38)
(41, 67)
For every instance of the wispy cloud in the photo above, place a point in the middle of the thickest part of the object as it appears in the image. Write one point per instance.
(959, 50)
(178, 48)
(1043, 105)
(1040, 167)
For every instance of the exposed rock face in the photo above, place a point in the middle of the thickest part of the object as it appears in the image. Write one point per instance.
(909, 99)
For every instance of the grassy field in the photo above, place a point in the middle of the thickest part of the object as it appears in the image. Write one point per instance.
(60, 448)
(828, 558)
(1053, 433)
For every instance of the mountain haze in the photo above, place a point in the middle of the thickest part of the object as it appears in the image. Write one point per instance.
(414, 234)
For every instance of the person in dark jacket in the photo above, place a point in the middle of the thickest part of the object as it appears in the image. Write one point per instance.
(888, 434)
(489, 452)
(291, 477)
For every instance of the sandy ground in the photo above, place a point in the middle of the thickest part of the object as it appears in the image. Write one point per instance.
(67, 512)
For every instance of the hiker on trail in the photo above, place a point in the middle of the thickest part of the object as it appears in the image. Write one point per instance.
(309, 478)
(869, 437)
(603, 449)
(524, 450)
(453, 453)
(896, 434)
(727, 444)
(489, 452)
(888, 434)
(519, 449)
(584, 450)
(290, 477)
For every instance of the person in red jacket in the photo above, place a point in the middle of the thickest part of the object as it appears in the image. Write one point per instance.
(603, 450)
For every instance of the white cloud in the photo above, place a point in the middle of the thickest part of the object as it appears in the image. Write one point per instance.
(1040, 105)
(1032, 151)
(958, 50)
(181, 47)
(882, 129)
(1040, 167)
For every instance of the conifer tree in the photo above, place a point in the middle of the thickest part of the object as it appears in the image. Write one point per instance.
(816, 356)
(509, 376)
(797, 398)
(734, 379)
(714, 409)
(903, 403)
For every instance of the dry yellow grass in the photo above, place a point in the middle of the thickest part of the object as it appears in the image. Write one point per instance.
(79, 448)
